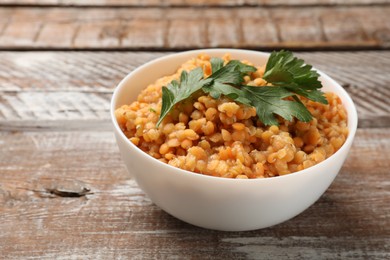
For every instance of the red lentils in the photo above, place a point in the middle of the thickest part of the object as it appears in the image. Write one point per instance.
(224, 138)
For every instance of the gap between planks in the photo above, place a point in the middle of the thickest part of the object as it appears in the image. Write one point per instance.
(189, 3)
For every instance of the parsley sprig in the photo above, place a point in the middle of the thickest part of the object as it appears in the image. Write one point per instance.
(177, 92)
(290, 77)
(285, 70)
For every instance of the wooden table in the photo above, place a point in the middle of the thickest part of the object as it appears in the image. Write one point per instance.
(64, 191)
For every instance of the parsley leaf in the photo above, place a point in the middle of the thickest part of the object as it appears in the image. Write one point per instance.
(216, 64)
(290, 78)
(269, 101)
(224, 78)
(176, 92)
(285, 70)
(232, 73)
(217, 89)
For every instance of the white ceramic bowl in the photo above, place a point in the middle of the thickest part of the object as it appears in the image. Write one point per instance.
(222, 203)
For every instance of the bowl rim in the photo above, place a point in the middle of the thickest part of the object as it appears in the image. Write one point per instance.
(352, 118)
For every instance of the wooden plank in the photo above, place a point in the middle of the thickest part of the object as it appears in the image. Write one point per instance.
(98, 34)
(71, 90)
(252, 35)
(60, 34)
(223, 33)
(21, 33)
(114, 219)
(184, 33)
(145, 33)
(163, 28)
(190, 2)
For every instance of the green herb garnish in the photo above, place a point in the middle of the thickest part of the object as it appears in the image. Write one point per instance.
(289, 76)
(270, 100)
(224, 78)
(176, 92)
(285, 70)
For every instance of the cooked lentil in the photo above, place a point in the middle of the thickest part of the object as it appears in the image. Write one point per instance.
(224, 138)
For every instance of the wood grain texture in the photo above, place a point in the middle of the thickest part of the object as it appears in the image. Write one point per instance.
(72, 90)
(164, 28)
(190, 2)
(64, 191)
(115, 220)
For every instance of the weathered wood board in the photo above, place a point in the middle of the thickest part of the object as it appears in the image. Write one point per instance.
(64, 191)
(116, 220)
(146, 3)
(135, 28)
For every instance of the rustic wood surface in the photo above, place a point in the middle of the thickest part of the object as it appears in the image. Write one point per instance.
(233, 3)
(64, 191)
(133, 28)
(116, 220)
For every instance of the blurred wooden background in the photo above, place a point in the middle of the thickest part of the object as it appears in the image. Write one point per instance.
(64, 192)
(170, 24)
